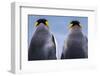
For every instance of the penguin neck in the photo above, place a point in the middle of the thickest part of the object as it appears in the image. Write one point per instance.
(41, 34)
(42, 28)
(75, 29)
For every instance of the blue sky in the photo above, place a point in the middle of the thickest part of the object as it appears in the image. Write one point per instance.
(58, 26)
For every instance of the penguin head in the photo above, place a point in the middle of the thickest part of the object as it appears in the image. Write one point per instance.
(75, 24)
(43, 21)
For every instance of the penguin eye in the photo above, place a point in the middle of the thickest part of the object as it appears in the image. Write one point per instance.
(36, 23)
(46, 23)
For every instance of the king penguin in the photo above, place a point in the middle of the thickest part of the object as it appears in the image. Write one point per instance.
(42, 45)
(76, 43)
